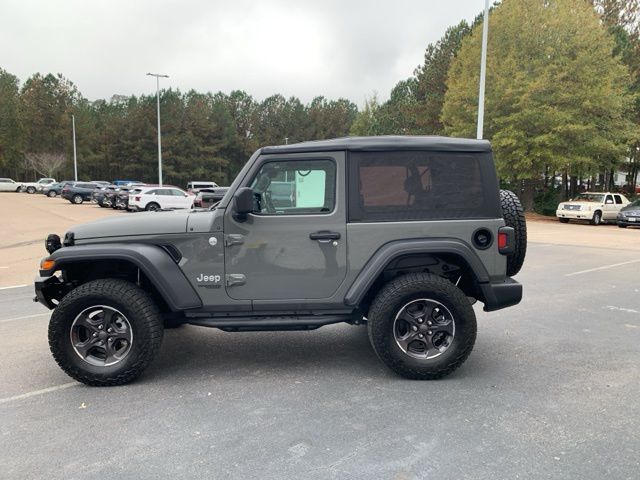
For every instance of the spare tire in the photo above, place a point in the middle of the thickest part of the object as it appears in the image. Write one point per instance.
(513, 215)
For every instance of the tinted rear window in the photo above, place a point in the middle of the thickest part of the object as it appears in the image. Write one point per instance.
(414, 185)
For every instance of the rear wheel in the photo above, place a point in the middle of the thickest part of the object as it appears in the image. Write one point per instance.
(563, 220)
(152, 207)
(513, 215)
(597, 218)
(421, 326)
(77, 199)
(105, 332)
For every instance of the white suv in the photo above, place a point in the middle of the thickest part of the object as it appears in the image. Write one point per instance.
(160, 198)
(592, 206)
(33, 187)
(8, 185)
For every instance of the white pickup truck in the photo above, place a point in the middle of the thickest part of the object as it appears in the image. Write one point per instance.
(33, 187)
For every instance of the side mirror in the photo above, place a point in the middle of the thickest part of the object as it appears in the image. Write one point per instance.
(243, 199)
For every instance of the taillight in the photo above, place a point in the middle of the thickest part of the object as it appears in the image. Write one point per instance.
(506, 240)
(502, 240)
(137, 199)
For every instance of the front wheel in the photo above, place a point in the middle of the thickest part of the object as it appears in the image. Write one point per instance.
(105, 332)
(622, 225)
(563, 220)
(422, 326)
(31, 190)
(51, 193)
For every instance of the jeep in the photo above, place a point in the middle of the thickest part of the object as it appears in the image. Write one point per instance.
(403, 234)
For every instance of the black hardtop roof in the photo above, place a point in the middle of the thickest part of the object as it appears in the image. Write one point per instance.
(385, 143)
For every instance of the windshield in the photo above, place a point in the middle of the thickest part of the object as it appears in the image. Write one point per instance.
(635, 203)
(590, 197)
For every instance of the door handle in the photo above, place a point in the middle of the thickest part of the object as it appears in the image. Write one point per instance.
(324, 236)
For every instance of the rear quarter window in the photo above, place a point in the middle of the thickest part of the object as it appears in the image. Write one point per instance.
(415, 185)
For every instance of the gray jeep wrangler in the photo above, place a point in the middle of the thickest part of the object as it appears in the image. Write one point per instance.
(402, 234)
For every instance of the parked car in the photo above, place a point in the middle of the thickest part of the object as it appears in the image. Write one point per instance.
(207, 197)
(8, 185)
(99, 195)
(160, 198)
(101, 183)
(33, 187)
(122, 196)
(629, 215)
(195, 186)
(78, 192)
(120, 183)
(594, 207)
(55, 189)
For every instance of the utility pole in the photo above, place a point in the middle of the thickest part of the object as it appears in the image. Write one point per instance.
(483, 70)
(158, 75)
(75, 159)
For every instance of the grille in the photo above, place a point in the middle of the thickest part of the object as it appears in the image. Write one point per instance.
(571, 207)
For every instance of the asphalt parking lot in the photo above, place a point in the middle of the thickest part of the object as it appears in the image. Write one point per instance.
(550, 391)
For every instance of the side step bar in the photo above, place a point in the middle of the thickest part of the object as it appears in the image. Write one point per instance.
(250, 324)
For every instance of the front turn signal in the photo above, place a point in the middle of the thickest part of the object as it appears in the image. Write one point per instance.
(47, 264)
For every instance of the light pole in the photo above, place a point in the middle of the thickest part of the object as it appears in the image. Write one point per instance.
(75, 160)
(158, 75)
(483, 70)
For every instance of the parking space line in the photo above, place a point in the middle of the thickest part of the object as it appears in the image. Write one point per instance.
(13, 286)
(38, 392)
(5, 320)
(605, 267)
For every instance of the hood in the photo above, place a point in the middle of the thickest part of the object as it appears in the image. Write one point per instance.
(144, 223)
(630, 207)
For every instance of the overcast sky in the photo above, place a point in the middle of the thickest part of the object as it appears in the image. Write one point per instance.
(348, 48)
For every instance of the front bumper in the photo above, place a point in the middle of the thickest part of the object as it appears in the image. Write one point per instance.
(49, 291)
(575, 214)
(501, 295)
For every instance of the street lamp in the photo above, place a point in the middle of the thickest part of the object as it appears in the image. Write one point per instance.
(158, 75)
(483, 70)
(75, 160)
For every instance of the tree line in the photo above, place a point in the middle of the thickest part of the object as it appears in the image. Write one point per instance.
(204, 136)
(562, 108)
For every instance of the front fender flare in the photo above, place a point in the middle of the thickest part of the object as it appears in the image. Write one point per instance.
(390, 251)
(161, 270)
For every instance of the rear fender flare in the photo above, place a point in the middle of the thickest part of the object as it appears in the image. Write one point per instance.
(391, 251)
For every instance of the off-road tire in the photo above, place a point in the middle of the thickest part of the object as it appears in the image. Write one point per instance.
(152, 207)
(513, 215)
(597, 218)
(141, 312)
(390, 300)
(51, 193)
(31, 190)
(77, 199)
(563, 220)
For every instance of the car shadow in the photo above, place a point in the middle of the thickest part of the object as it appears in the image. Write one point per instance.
(192, 352)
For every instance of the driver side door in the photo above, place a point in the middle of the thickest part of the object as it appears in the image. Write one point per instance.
(293, 246)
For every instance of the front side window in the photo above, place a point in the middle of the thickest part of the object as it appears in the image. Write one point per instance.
(295, 187)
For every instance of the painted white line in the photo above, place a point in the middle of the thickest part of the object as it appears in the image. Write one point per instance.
(602, 268)
(4, 267)
(38, 392)
(5, 320)
(12, 286)
(621, 309)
